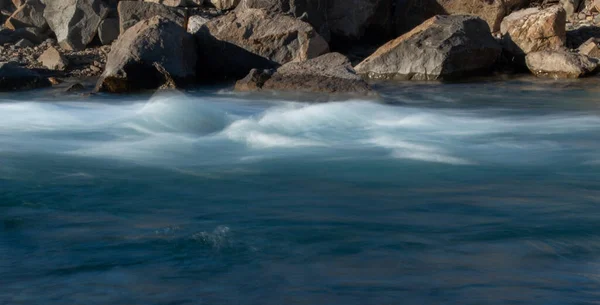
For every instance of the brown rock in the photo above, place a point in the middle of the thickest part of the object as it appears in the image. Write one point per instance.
(331, 73)
(53, 60)
(533, 30)
(561, 64)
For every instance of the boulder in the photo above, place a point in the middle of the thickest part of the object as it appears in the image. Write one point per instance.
(224, 4)
(132, 12)
(443, 47)
(235, 43)
(410, 13)
(331, 73)
(570, 7)
(35, 35)
(154, 53)
(75, 22)
(533, 30)
(561, 64)
(13, 77)
(30, 14)
(53, 60)
(590, 48)
(108, 30)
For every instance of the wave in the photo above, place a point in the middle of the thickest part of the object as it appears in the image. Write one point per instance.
(176, 129)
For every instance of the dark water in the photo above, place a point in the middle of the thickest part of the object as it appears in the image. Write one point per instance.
(484, 193)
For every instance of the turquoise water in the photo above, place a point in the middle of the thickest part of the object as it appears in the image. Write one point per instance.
(482, 193)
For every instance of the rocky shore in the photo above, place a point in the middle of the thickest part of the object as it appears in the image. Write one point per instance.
(291, 45)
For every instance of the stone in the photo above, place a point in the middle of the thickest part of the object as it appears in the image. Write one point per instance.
(410, 13)
(533, 30)
(561, 64)
(154, 53)
(595, 7)
(108, 30)
(195, 23)
(235, 43)
(443, 47)
(224, 4)
(30, 14)
(76, 87)
(75, 22)
(53, 60)
(331, 73)
(132, 12)
(590, 48)
(13, 77)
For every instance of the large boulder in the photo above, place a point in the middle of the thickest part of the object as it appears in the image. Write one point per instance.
(330, 73)
(13, 77)
(533, 30)
(108, 30)
(411, 13)
(75, 22)
(155, 53)
(253, 38)
(30, 14)
(443, 47)
(561, 64)
(132, 12)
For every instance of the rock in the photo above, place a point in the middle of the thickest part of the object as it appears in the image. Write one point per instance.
(410, 13)
(590, 48)
(533, 30)
(331, 73)
(224, 4)
(560, 64)
(443, 47)
(595, 6)
(252, 38)
(154, 53)
(132, 12)
(53, 60)
(24, 43)
(75, 22)
(54, 81)
(30, 14)
(13, 77)
(195, 23)
(108, 30)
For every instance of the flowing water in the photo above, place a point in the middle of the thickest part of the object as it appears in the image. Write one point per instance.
(481, 193)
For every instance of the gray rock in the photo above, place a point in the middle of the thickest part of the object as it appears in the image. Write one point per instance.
(53, 60)
(30, 14)
(154, 53)
(75, 22)
(443, 47)
(13, 77)
(108, 30)
(132, 12)
(561, 64)
(178, 3)
(331, 73)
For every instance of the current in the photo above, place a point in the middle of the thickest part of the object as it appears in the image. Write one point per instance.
(463, 193)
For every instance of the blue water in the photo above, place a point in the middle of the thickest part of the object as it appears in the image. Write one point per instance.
(481, 193)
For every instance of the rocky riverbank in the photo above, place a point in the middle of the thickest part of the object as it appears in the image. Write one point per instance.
(291, 45)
